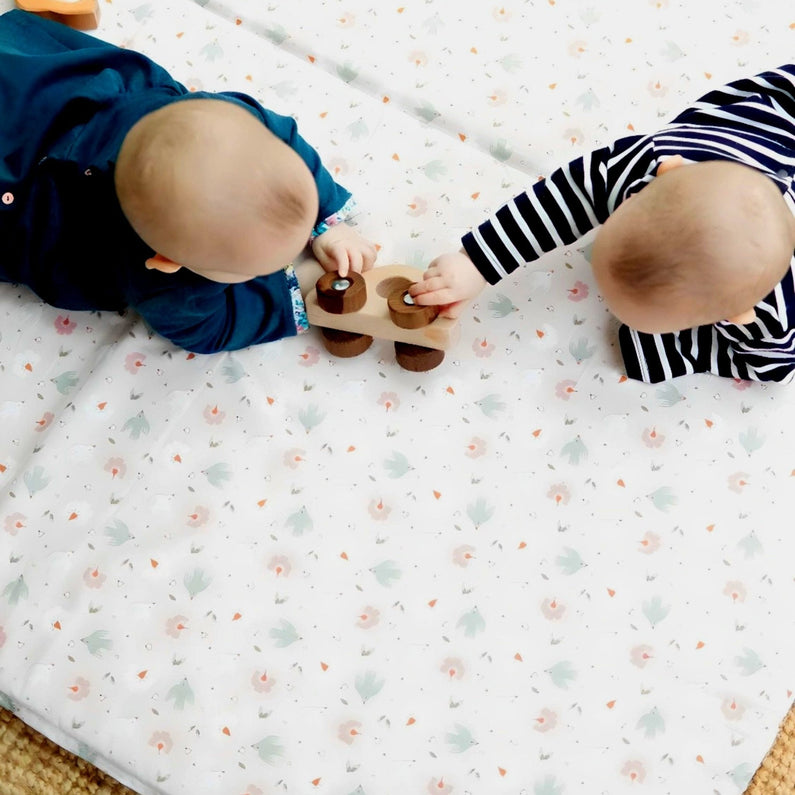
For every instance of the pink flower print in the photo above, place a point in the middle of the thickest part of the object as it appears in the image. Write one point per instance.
(579, 292)
(565, 389)
(418, 58)
(650, 542)
(213, 415)
(349, 731)
(634, 771)
(368, 618)
(476, 448)
(79, 690)
(378, 510)
(116, 467)
(552, 609)
(560, 493)
(501, 14)
(337, 166)
(252, 790)
(162, 741)
(280, 566)
(657, 89)
(462, 555)
(577, 48)
(389, 400)
(347, 20)
(418, 206)
(731, 709)
(24, 363)
(292, 458)
(497, 98)
(438, 787)
(453, 667)
(14, 522)
(741, 38)
(134, 361)
(639, 656)
(741, 385)
(3, 638)
(736, 590)
(93, 578)
(309, 357)
(199, 516)
(261, 682)
(651, 438)
(482, 348)
(175, 625)
(44, 422)
(546, 720)
(738, 481)
(64, 325)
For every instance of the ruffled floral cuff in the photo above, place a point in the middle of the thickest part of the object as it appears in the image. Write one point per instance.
(299, 307)
(346, 211)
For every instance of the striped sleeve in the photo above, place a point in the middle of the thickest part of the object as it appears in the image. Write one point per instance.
(560, 209)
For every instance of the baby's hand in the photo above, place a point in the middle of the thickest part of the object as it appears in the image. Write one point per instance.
(341, 248)
(450, 281)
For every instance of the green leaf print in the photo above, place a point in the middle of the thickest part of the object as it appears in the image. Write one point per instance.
(581, 350)
(663, 498)
(460, 739)
(368, 685)
(16, 590)
(655, 611)
(387, 573)
(651, 723)
(426, 111)
(233, 371)
(65, 382)
(750, 545)
(35, 480)
(397, 465)
(195, 582)
(511, 62)
(182, 694)
(562, 674)
(547, 786)
(741, 775)
(501, 151)
(98, 642)
(270, 748)
(212, 51)
(217, 474)
(501, 306)
(480, 512)
(669, 395)
(751, 440)
(118, 533)
(570, 561)
(277, 34)
(575, 450)
(347, 73)
(749, 662)
(311, 417)
(588, 100)
(136, 425)
(284, 635)
(434, 170)
(300, 521)
(358, 130)
(472, 623)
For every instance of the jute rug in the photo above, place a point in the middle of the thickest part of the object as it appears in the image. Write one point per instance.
(32, 765)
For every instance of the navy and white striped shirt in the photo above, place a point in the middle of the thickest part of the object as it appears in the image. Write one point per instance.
(749, 121)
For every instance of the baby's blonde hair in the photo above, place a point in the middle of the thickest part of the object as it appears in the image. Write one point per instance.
(198, 171)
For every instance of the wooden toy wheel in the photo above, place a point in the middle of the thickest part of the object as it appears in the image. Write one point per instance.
(405, 313)
(417, 358)
(338, 295)
(345, 344)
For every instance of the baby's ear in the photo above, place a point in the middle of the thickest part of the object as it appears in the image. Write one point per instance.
(162, 264)
(670, 162)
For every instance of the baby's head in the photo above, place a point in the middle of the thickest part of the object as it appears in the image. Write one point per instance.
(700, 243)
(210, 188)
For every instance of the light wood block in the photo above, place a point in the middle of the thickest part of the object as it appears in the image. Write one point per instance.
(82, 14)
(373, 318)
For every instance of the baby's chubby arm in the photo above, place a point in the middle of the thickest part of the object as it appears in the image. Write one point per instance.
(450, 281)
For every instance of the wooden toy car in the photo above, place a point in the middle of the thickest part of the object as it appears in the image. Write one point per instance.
(350, 311)
(79, 14)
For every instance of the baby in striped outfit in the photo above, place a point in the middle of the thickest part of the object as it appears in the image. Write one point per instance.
(695, 250)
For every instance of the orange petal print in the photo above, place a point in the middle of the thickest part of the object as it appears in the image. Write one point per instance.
(700, 645)
(611, 704)
(410, 722)
(437, 494)
(344, 555)
(57, 625)
(502, 771)
(518, 657)
(432, 603)
(611, 592)
(324, 666)
(226, 731)
(142, 674)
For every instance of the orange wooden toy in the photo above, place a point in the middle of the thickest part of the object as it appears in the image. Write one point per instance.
(79, 14)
